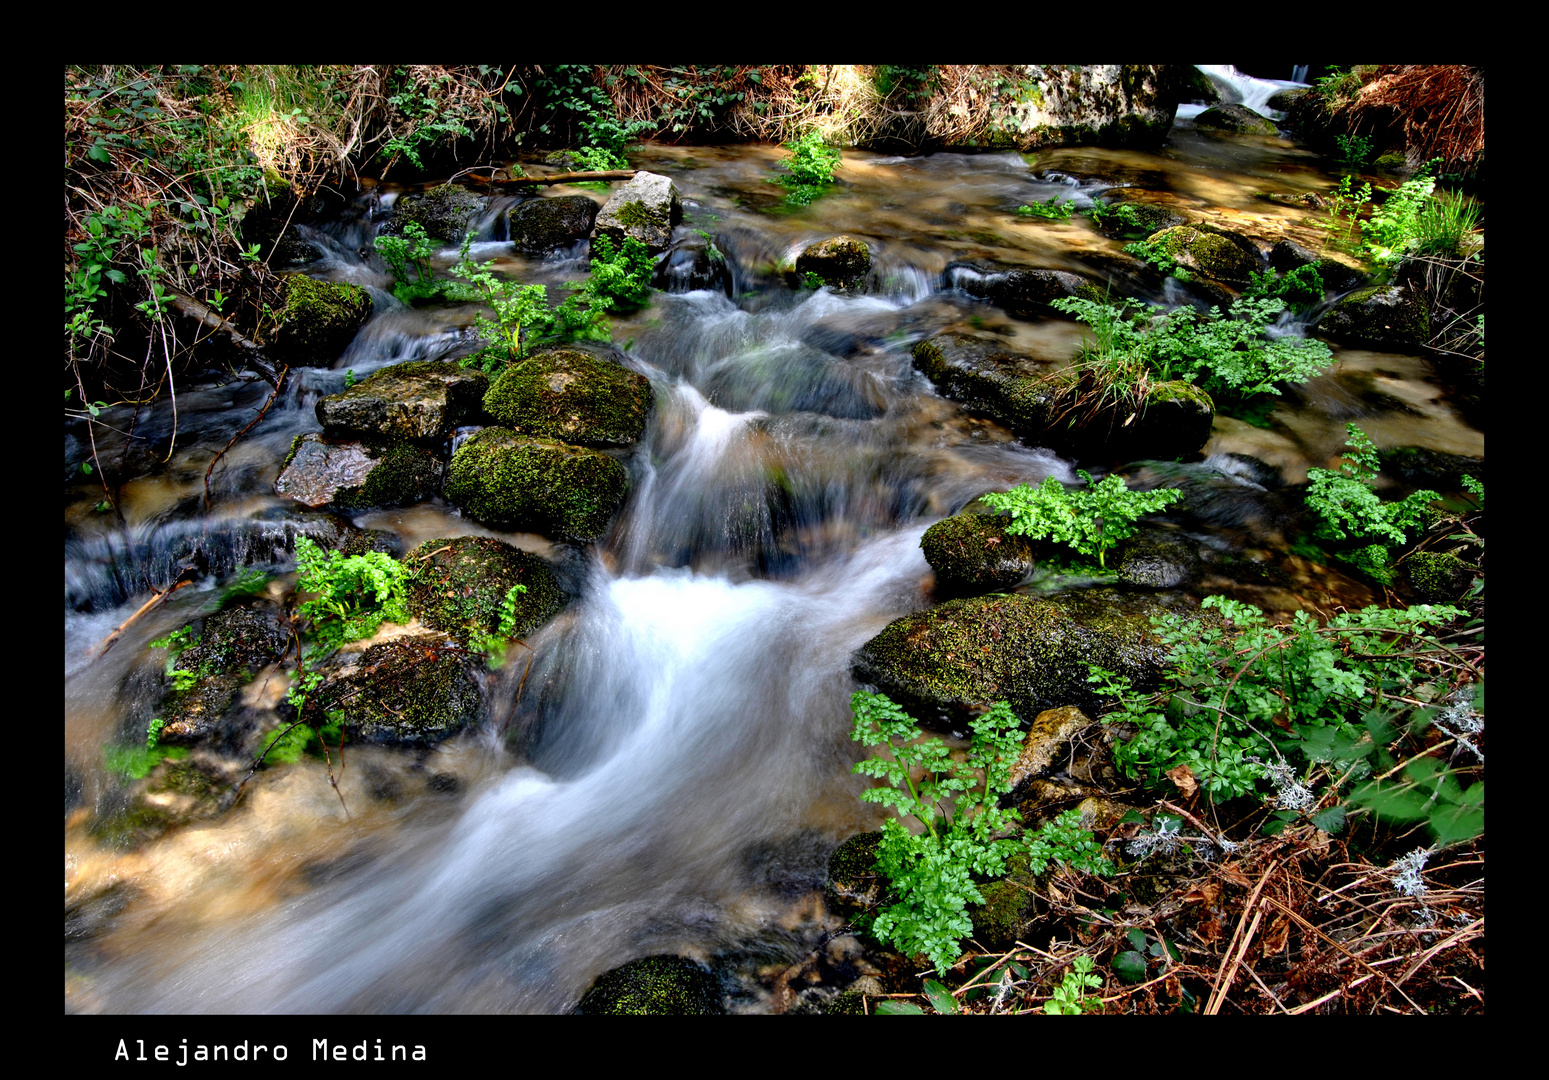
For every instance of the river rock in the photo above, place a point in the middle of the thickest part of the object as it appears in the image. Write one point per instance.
(572, 394)
(1156, 558)
(1021, 290)
(539, 226)
(405, 691)
(355, 475)
(318, 321)
(231, 646)
(1337, 274)
(653, 986)
(1238, 119)
(1214, 253)
(460, 586)
(1379, 317)
(963, 655)
(1094, 104)
(515, 481)
(1438, 577)
(973, 553)
(841, 261)
(419, 401)
(853, 880)
(446, 212)
(646, 208)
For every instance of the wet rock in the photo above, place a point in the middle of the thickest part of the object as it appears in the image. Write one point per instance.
(1420, 466)
(1437, 577)
(538, 226)
(1150, 217)
(419, 401)
(1156, 558)
(653, 986)
(1285, 100)
(405, 691)
(692, 263)
(646, 208)
(984, 377)
(1379, 317)
(841, 261)
(1101, 104)
(179, 791)
(1238, 119)
(318, 321)
(446, 212)
(571, 394)
(1020, 290)
(353, 476)
(243, 639)
(1050, 733)
(853, 881)
(1214, 254)
(972, 553)
(461, 585)
(231, 647)
(1336, 273)
(1008, 907)
(963, 655)
(514, 481)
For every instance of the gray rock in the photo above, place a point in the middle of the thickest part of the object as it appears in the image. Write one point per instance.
(646, 208)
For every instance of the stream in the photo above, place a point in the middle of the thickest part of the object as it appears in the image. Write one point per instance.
(674, 769)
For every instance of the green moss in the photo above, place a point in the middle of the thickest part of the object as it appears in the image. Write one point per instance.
(852, 879)
(635, 214)
(406, 690)
(461, 584)
(653, 986)
(319, 320)
(973, 552)
(1438, 577)
(1008, 906)
(571, 395)
(402, 475)
(509, 480)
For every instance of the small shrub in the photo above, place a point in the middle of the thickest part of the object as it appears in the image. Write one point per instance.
(1052, 209)
(1089, 520)
(810, 168)
(1349, 509)
(354, 594)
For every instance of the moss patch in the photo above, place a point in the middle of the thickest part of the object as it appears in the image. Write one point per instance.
(513, 481)
(407, 690)
(318, 321)
(461, 584)
(571, 395)
(653, 986)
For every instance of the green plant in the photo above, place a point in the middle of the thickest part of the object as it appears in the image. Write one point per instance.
(1393, 229)
(1158, 256)
(1348, 507)
(1297, 707)
(1089, 520)
(408, 257)
(176, 643)
(353, 594)
(1354, 150)
(620, 278)
(493, 645)
(1057, 211)
(1124, 213)
(965, 833)
(1069, 998)
(1344, 207)
(809, 169)
(1447, 227)
(1302, 289)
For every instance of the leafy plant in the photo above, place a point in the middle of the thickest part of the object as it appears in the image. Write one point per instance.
(1124, 213)
(493, 645)
(1089, 520)
(353, 594)
(1348, 507)
(1354, 150)
(1302, 288)
(1158, 256)
(1393, 229)
(809, 169)
(966, 831)
(408, 257)
(1051, 208)
(620, 279)
(176, 643)
(1070, 998)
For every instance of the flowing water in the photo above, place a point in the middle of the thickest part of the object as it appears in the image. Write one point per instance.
(675, 770)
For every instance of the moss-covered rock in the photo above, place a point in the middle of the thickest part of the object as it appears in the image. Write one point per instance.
(231, 647)
(841, 261)
(405, 691)
(539, 226)
(945, 663)
(1009, 906)
(1437, 577)
(179, 791)
(516, 481)
(1238, 119)
(1379, 317)
(446, 212)
(571, 394)
(972, 553)
(852, 880)
(1338, 272)
(1101, 104)
(1156, 558)
(1211, 253)
(461, 585)
(646, 208)
(984, 377)
(355, 476)
(419, 401)
(654, 986)
(318, 321)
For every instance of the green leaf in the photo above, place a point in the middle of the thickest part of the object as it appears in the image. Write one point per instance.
(898, 1008)
(940, 997)
(1130, 966)
(1330, 820)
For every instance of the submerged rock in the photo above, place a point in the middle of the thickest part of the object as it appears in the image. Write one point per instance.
(318, 321)
(419, 401)
(406, 691)
(1022, 290)
(645, 208)
(841, 261)
(653, 986)
(1236, 118)
(571, 394)
(538, 226)
(460, 585)
(354, 476)
(516, 481)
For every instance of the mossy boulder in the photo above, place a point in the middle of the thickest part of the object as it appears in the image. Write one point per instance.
(1379, 317)
(973, 553)
(179, 791)
(1009, 906)
(232, 646)
(853, 881)
(539, 226)
(571, 394)
(984, 377)
(944, 663)
(1022, 291)
(654, 986)
(646, 208)
(461, 585)
(1238, 119)
(1103, 104)
(405, 691)
(318, 321)
(1156, 558)
(1437, 577)
(355, 475)
(419, 401)
(1211, 253)
(1338, 272)
(542, 485)
(446, 212)
(841, 261)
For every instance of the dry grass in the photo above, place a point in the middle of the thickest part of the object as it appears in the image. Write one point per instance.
(1438, 107)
